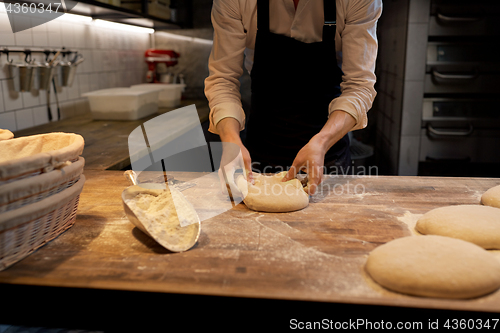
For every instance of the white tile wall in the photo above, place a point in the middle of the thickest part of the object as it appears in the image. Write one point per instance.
(30, 98)
(93, 81)
(409, 154)
(24, 118)
(53, 111)
(67, 109)
(12, 99)
(97, 60)
(73, 92)
(83, 82)
(2, 108)
(412, 106)
(112, 59)
(80, 31)
(40, 36)
(68, 35)
(419, 11)
(86, 66)
(40, 115)
(43, 97)
(416, 51)
(8, 120)
(62, 95)
(54, 34)
(23, 38)
(6, 35)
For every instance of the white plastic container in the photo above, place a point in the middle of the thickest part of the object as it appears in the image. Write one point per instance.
(169, 93)
(122, 103)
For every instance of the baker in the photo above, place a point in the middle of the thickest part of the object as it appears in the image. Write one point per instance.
(312, 66)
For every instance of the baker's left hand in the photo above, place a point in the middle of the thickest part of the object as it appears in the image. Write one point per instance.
(311, 160)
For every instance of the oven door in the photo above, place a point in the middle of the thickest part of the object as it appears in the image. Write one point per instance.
(464, 18)
(462, 67)
(461, 113)
(461, 145)
(460, 136)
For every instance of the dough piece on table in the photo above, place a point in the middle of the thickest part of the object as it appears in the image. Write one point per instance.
(473, 223)
(434, 266)
(491, 197)
(270, 194)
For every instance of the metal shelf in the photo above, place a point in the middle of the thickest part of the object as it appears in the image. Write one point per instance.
(104, 11)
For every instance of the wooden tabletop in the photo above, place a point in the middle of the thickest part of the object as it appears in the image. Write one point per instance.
(312, 256)
(316, 254)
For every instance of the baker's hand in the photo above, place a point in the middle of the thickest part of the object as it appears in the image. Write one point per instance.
(311, 157)
(311, 160)
(235, 156)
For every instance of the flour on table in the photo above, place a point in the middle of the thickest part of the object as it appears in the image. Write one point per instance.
(365, 194)
(410, 220)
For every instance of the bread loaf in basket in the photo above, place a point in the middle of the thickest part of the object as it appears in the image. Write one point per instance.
(28, 190)
(40, 184)
(26, 156)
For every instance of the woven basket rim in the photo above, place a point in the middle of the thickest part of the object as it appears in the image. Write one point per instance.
(36, 184)
(36, 162)
(33, 211)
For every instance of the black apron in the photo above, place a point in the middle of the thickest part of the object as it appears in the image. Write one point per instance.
(292, 85)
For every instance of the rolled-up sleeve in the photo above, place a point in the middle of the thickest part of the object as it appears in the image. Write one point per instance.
(222, 86)
(359, 53)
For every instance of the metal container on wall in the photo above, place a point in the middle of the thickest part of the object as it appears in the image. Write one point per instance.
(23, 76)
(45, 74)
(68, 70)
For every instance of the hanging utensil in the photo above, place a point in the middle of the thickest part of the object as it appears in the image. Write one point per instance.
(46, 74)
(22, 76)
(69, 70)
(51, 63)
(57, 99)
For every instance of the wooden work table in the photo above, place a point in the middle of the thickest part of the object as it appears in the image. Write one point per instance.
(246, 266)
(314, 255)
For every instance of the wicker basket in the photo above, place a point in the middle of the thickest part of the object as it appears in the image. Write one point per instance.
(25, 229)
(31, 155)
(33, 189)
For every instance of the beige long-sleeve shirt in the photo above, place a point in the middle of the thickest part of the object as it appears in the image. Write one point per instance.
(235, 30)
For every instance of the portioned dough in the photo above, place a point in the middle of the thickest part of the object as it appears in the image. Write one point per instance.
(434, 266)
(491, 197)
(270, 194)
(473, 223)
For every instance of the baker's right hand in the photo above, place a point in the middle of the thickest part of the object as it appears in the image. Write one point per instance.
(235, 156)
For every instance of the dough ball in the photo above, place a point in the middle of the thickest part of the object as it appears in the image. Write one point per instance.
(434, 266)
(270, 194)
(492, 197)
(473, 223)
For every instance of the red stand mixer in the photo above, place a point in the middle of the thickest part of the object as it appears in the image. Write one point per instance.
(155, 57)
